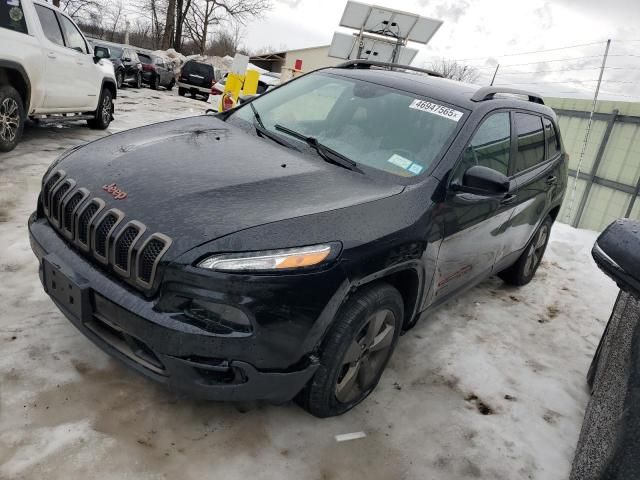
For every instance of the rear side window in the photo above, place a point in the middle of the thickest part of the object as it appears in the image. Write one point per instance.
(530, 141)
(553, 144)
(72, 34)
(49, 24)
(145, 58)
(490, 146)
(12, 17)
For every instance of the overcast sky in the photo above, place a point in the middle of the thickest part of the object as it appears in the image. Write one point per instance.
(484, 31)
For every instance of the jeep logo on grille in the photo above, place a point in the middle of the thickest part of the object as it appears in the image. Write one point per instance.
(114, 191)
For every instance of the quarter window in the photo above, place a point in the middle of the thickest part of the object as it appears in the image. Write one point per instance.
(12, 16)
(530, 141)
(50, 24)
(553, 145)
(72, 34)
(490, 146)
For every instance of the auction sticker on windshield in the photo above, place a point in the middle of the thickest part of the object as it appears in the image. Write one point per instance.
(439, 110)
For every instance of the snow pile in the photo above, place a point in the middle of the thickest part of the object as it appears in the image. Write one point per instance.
(490, 386)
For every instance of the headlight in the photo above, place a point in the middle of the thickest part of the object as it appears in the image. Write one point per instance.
(269, 260)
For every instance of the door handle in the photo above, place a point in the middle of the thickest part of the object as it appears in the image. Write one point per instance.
(51, 55)
(508, 198)
(551, 180)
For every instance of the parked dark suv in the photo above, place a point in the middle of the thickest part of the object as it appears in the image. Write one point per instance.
(157, 71)
(126, 64)
(300, 233)
(196, 78)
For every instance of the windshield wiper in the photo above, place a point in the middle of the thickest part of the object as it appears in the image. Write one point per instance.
(326, 153)
(262, 131)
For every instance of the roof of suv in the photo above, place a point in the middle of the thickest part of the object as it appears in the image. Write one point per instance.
(450, 91)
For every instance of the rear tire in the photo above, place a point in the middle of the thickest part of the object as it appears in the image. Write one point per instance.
(104, 113)
(12, 118)
(523, 271)
(356, 351)
(154, 83)
(119, 79)
(182, 92)
(171, 84)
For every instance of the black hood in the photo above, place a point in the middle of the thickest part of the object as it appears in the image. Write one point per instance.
(199, 178)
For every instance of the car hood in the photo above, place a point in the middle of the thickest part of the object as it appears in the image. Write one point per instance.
(199, 179)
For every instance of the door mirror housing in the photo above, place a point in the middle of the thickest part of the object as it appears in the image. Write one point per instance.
(101, 52)
(484, 179)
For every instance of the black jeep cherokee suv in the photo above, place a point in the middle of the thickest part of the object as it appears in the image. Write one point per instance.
(279, 249)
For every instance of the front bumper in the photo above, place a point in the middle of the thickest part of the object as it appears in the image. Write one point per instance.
(156, 344)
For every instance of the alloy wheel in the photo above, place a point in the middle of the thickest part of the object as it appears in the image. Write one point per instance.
(366, 356)
(534, 255)
(9, 119)
(106, 109)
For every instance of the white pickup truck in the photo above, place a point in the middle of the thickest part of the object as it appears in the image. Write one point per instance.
(48, 72)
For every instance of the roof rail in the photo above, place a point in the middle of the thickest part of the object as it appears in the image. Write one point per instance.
(488, 93)
(366, 64)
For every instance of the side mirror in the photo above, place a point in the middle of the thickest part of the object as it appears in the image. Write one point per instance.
(101, 52)
(486, 180)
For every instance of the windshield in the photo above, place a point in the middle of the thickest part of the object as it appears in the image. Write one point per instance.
(115, 52)
(201, 69)
(380, 127)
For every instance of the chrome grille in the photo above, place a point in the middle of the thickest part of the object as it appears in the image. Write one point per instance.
(85, 222)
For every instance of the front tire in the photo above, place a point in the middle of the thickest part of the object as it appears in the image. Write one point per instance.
(523, 271)
(155, 83)
(11, 118)
(104, 112)
(171, 84)
(182, 92)
(355, 351)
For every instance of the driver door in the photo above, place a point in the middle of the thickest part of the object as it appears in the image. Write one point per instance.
(475, 222)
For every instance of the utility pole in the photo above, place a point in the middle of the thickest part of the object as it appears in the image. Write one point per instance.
(494, 74)
(586, 136)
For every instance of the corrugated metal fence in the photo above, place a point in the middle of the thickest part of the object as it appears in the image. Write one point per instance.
(608, 186)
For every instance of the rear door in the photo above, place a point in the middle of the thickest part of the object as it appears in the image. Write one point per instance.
(474, 224)
(535, 170)
(64, 68)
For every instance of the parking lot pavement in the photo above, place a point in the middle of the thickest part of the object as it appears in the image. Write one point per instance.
(491, 386)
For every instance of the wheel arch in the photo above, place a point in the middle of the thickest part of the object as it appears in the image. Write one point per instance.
(408, 279)
(111, 85)
(12, 73)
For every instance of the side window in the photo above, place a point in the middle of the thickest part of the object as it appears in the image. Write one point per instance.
(530, 141)
(49, 24)
(12, 17)
(72, 35)
(490, 146)
(553, 144)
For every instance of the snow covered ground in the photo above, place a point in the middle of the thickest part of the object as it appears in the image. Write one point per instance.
(491, 386)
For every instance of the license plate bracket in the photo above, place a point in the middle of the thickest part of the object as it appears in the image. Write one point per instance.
(66, 287)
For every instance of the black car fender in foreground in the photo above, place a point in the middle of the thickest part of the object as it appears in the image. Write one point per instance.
(608, 447)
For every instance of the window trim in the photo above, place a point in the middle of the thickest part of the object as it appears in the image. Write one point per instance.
(555, 134)
(473, 134)
(64, 41)
(514, 141)
(64, 34)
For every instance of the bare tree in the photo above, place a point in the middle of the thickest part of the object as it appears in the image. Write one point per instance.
(203, 14)
(113, 16)
(455, 71)
(169, 24)
(77, 9)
